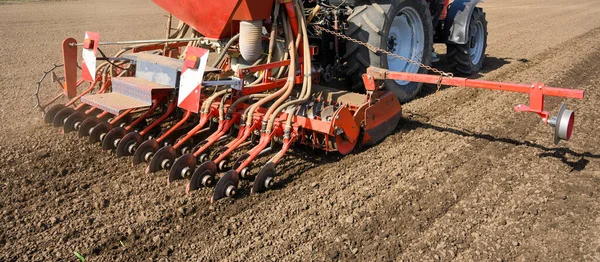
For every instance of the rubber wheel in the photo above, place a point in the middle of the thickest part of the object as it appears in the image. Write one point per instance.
(467, 59)
(411, 36)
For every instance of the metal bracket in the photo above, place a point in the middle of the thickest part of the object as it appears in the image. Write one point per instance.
(234, 82)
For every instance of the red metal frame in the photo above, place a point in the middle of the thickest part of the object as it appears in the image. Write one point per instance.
(536, 91)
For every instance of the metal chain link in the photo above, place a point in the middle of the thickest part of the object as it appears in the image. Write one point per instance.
(377, 49)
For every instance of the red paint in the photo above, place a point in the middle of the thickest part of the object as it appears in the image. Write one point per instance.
(211, 18)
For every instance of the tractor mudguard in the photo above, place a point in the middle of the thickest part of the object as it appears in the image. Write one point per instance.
(457, 21)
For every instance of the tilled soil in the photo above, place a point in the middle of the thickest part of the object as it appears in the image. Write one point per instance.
(463, 177)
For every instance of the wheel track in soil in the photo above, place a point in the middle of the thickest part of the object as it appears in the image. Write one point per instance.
(481, 145)
(486, 146)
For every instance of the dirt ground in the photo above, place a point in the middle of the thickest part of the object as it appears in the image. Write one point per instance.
(462, 178)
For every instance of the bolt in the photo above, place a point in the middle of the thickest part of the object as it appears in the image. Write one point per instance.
(207, 181)
(203, 157)
(269, 181)
(131, 148)
(148, 156)
(166, 164)
(184, 150)
(77, 125)
(186, 172)
(116, 142)
(244, 172)
(230, 192)
(222, 164)
(102, 136)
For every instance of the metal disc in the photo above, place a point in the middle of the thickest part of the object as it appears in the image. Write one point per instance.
(86, 107)
(344, 146)
(97, 131)
(228, 181)
(148, 147)
(107, 117)
(187, 147)
(49, 115)
(166, 155)
(206, 169)
(240, 160)
(72, 120)
(59, 118)
(87, 125)
(185, 163)
(263, 180)
(108, 143)
(199, 145)
(123, 121)
(131, 139)
(218, 152)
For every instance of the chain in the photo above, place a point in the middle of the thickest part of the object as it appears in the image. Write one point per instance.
(376, 49)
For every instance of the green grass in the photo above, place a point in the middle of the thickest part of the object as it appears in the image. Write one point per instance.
(81, 258)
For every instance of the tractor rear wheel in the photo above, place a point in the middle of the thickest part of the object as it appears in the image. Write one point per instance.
(402, 27)
(467, 59)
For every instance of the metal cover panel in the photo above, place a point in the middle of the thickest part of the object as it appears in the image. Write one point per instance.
(339, 96)
(156, 59)
(114, 103)
(163, 60)
(157, 73)
(138, 88)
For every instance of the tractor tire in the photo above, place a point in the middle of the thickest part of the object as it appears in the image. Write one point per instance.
(384, 24)
(467, 59)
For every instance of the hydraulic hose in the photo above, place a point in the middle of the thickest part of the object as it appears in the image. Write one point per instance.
(241, 100)
(222, 106)
(285, 89)
(227, 46)
(307, 70)
(206, 104)
(289, 84)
